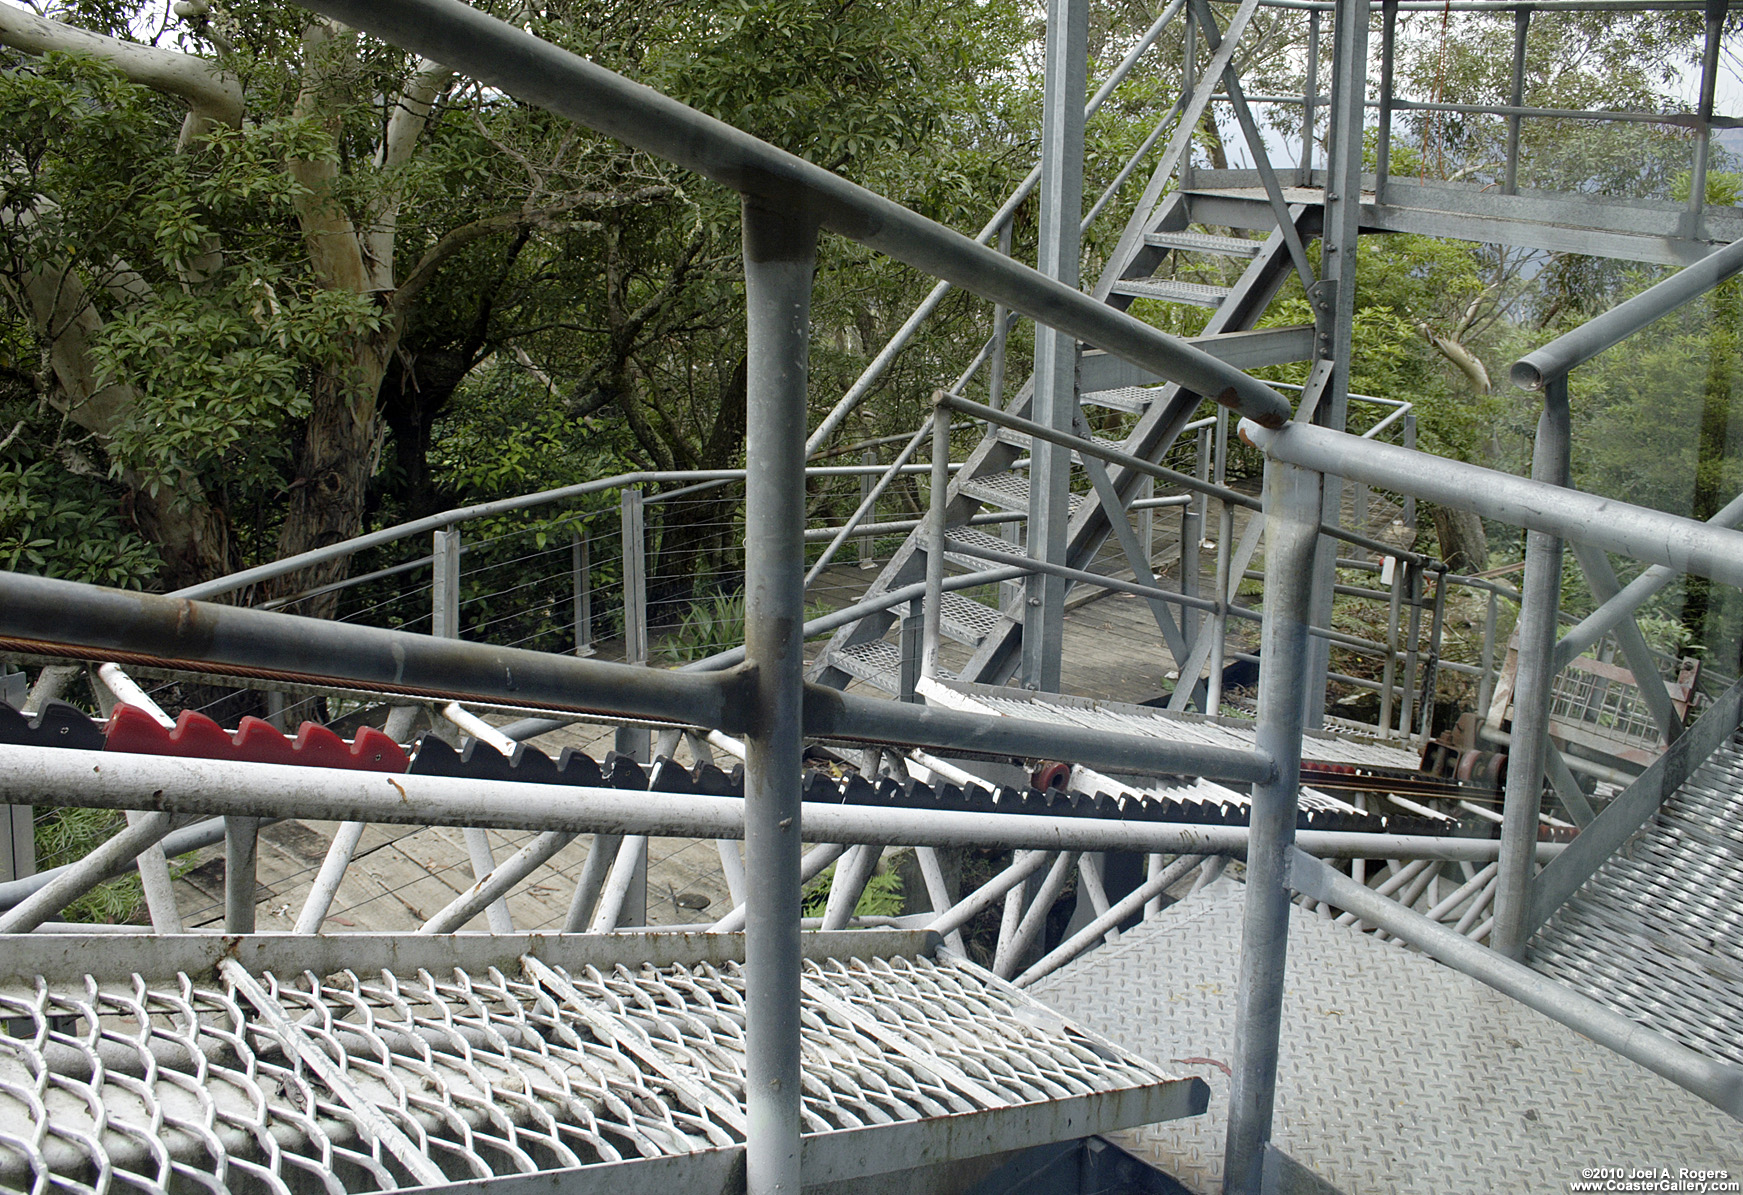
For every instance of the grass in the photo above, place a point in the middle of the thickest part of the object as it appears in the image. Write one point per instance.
(67, 835)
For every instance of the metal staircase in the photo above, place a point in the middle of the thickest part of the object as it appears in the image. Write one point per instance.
(995, 474)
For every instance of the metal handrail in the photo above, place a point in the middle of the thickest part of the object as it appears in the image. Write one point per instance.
(1554, 360)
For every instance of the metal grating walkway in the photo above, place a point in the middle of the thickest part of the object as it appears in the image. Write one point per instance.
(1121, 718)
(1657, 933)
(367, 1063)
(1398, 1075)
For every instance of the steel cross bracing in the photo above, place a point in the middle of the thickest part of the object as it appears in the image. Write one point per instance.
(375, 1063)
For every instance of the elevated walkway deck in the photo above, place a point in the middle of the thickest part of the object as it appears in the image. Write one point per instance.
(1397, 1074)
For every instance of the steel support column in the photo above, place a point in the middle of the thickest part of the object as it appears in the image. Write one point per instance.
(1540, 599)
(780, 249)
(1334, 303)
(1292, 531)
(1055, 397)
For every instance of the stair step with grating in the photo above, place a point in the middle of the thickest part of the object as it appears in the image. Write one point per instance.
(1025, 440)
(1007, 491)
(877, 663)
(1132, 399)
(1204, 242)
(966, 620)
(1196, 293)
(976, 538)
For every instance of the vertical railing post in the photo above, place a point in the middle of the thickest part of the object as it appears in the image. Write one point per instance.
(869, 459)
(1309, 99)
(635, 578)
(581, 574)
(1521, 24)
(1540, 597)
(1486, 681)
(1147, 517)
(1055, 394)
(936, 513)
(1412, 649)
(1409, 511)
(779, 254)
(1219, 630)
(445, 587)
(1292, 535)
(1390, 576)
(1383, 138)
(913, 640)
(1697, 205)
(995, 379)
(1191, 536)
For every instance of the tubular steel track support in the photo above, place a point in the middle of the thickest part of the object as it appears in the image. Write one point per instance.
(780, 249)
(1540, 595)
(1055, 391)
(1292, 535)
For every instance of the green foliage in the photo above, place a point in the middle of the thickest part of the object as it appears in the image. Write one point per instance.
(882, 896)
(68, 835)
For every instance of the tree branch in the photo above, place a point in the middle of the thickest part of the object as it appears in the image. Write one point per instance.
(212, 93)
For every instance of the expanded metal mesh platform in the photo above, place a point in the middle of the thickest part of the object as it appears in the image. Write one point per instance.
(376, 1062)
(1657, 933)
(1397, 1075)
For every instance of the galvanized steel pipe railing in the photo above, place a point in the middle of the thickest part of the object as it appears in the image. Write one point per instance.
(1539, 368)
(1651, 536)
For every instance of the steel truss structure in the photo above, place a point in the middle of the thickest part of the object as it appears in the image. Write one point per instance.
(760, 1055)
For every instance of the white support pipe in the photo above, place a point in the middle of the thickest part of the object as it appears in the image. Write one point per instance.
(1010, 957)
(812, 865)
(328, 879)
(496, 885)
(1026, 864)
(154, 878)
(630, 856)
(852, 874)
(477, 841)
(587, 885)
(938, 891)
(1086, 937)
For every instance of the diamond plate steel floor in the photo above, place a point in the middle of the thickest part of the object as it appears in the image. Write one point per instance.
(1398, 1075)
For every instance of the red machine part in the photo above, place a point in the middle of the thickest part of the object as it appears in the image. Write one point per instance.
(196, 736)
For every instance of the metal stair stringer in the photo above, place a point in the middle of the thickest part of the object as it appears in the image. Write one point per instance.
(908, 564)
(995, 660)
